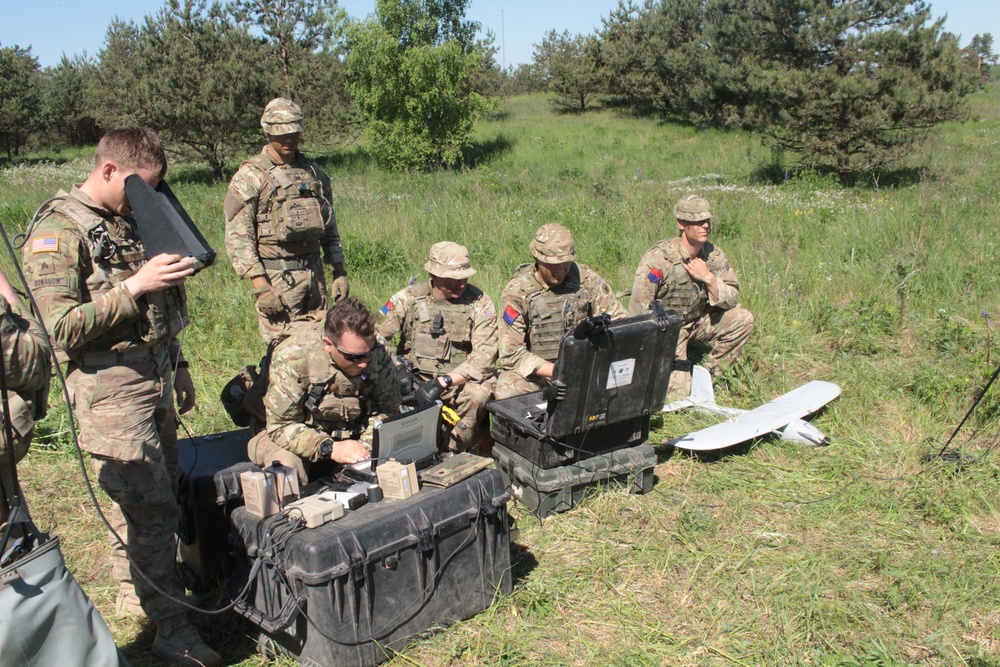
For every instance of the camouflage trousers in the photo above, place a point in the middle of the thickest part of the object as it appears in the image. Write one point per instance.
(302, 290)
(127, 424)
(724, 330)
(511, 383)
(263, 451)
(469, 401)
(22, 429)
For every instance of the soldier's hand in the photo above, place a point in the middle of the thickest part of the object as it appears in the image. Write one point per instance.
(160, 272)
(340, 288)
(184, 387)
(269, 301)
(698, 269)
(349, 451)
(429, 391)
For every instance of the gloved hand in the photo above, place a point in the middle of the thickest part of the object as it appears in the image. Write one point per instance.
(340, 289)
(269, 301)
(429, 391)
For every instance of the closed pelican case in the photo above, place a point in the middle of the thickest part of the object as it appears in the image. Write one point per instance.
(351, 592)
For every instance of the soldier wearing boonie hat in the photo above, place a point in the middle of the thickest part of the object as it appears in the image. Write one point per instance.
(690, 275)
(448, 331)
(542, 302)
(278, 219)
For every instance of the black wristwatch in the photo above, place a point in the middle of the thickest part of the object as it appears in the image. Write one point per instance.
(326, 449)
(447, 381)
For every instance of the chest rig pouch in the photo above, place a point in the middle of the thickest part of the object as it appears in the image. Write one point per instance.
(293, 211)
(116, 253)
(553, 312)
(338, 405)
(679, 292)
(441, 331)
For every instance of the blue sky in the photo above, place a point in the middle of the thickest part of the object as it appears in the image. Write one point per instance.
(55, 27)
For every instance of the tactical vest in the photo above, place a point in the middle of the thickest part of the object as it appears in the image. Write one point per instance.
(677, 289)
(116, 253)
(335, 405)
(440, 331)
(290, 210)
(552, 312)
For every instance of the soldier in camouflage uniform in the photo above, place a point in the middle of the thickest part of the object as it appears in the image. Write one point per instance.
(27, 370)
(327, 380)
(278, 217)
(542, 302)
(448, 330)
(115, 313)
(688, 274)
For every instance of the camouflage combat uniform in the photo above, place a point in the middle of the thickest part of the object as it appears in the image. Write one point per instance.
(535, 317)
(309, 400)
(27, 371)
(119, 377)
(721, 322)
(465, 344)
(262, 196)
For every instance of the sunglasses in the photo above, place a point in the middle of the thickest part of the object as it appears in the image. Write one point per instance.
(353, 356)
(700, 223)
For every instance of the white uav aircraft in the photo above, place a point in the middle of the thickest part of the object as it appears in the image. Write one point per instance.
(782, 416)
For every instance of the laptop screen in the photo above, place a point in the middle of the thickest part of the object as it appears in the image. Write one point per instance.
(407, 437)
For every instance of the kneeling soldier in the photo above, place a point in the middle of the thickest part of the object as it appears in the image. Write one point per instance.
(327, 380)
(448, 330)
(542, 302)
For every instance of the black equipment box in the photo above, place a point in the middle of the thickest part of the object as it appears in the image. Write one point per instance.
(351, 591)
(208, 492)
(547, 491)
(605, 387)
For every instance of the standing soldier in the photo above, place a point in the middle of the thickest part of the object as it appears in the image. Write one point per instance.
(448, 330)
(326, 382)
(542, 302)
(278, 216)
(115, 314)
(26, 374)
(688, 274)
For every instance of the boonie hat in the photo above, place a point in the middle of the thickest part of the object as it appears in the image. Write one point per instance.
(692, 208)
(553, 244)
(281, 116)
(449, 260)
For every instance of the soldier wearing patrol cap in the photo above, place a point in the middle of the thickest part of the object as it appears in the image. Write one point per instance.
(448, 330)
(688, 274)
(542, 302)
(278, 218)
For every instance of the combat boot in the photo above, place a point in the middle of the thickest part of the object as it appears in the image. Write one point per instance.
(127, 603)
(178, 643)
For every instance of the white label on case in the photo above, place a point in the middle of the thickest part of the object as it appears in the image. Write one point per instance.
(620, 373)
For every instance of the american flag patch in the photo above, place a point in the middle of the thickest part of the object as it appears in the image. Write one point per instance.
(655, 276)
(45, 244)
(387, 307)
(509, 315)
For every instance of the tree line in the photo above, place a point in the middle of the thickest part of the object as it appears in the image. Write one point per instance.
(412, 78)
(838, 85)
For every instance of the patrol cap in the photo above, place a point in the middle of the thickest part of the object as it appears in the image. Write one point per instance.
(281, 116)
(692, 208)
(449, 260)
(553, 244)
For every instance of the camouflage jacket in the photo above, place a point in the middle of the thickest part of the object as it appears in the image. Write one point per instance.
(535, 317)
(661, 275)
(466, 342)
(76, 262)
(249, 200)
(309, 398)
(26, 365)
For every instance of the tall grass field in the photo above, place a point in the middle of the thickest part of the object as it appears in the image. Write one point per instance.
(873, 550)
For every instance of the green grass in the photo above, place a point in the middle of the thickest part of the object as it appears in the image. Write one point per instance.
(861, 553)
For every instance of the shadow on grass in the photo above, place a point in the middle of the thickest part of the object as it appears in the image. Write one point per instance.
(481, 152)
(775, 173)
(349, 159)
(7, 162)
(229, 635)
